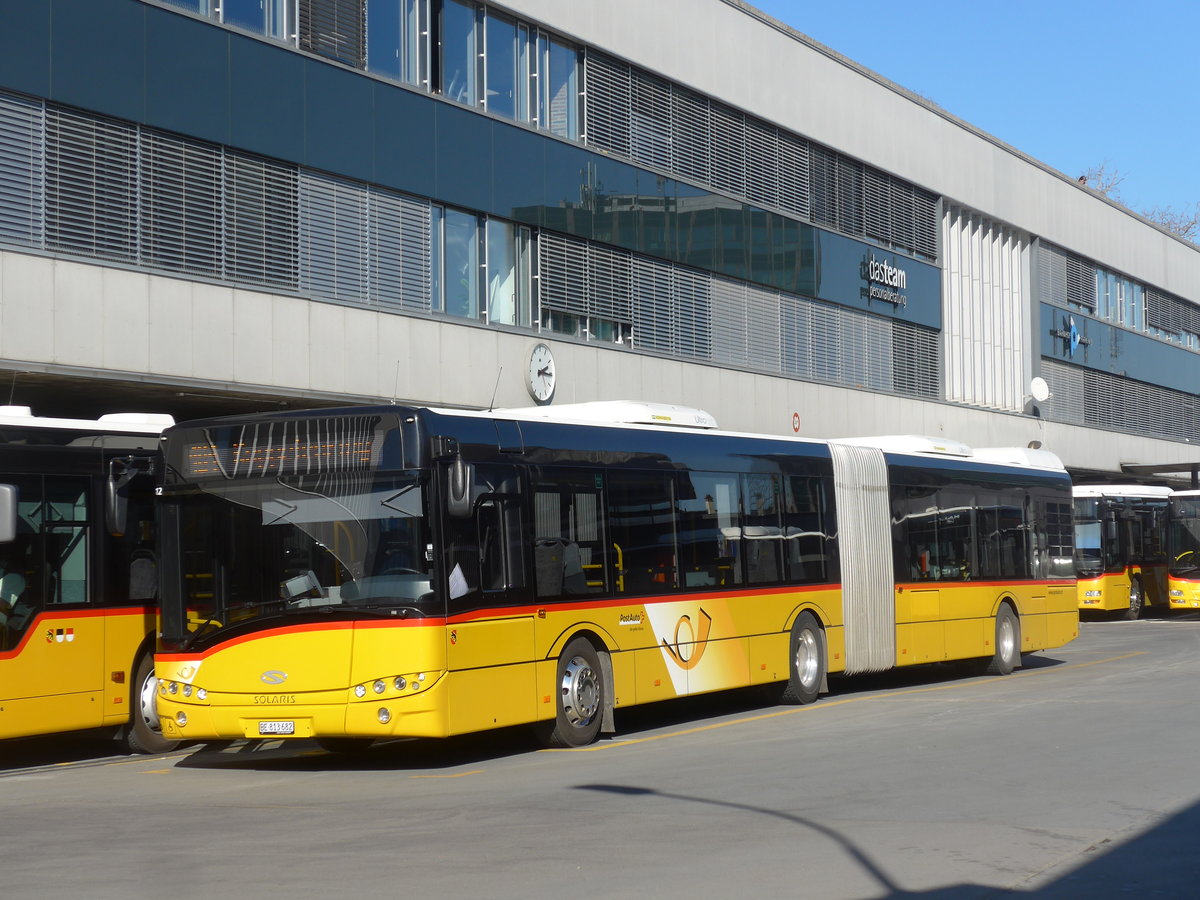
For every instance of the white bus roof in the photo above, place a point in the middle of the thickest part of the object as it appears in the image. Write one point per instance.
(922, 445)
(1121, 490)
(615, 412)
(117, 423)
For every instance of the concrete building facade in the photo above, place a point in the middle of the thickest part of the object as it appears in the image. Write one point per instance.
(210, 206)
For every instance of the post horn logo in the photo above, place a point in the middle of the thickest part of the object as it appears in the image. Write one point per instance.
(690, 642)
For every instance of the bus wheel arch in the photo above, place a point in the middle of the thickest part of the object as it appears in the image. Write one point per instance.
(1006, 649)
(808, 661)
(583, 694)
(142, 733)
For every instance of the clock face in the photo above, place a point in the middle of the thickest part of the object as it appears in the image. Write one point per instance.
(540, 377)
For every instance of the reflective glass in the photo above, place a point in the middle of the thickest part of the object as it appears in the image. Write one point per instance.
(384, 37)
(458, 51)
(461, 255)
(503, 273)
(260, 16)
(560, 103)
(501, 66)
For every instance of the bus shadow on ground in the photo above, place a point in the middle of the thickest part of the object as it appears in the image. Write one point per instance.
(1162, 861)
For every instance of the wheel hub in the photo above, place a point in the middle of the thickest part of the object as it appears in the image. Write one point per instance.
(580, 692)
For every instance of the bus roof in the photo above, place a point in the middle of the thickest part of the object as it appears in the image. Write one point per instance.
(1148, 491)
(112, 423)
(615, 412)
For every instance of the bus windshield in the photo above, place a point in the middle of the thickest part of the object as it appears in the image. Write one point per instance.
(1089, 555)
(277, 545)
(1184, 536)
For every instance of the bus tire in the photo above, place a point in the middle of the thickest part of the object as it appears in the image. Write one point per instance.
(347, 745)
(143, 734)
(806, 661)
(1007, 653)
(1137, 601)
(580, 704)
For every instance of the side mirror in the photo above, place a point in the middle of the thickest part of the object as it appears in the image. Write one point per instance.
(116, 501)
(459, 489)
(8, 513)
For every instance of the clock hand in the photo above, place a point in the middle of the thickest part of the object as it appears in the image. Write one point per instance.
(543, 373)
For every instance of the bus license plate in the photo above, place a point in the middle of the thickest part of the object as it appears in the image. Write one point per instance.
(276, 727)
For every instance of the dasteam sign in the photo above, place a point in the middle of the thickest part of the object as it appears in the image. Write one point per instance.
(886, 283)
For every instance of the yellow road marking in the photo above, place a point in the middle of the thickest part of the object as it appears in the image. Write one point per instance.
(830, 704)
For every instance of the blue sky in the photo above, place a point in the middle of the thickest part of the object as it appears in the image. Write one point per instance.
(1073, 84)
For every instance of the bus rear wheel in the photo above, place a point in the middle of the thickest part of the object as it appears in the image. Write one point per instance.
(580, 705)
(1008, 643)
(806, 661)
(1137, 601)
(143, 733)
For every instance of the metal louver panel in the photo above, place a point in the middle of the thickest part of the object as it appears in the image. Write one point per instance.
(650, 121)
(850, 196)
(903, 215)
(925, 219)
(762, 329)
(181, 204)
(693, 313)
(563, 273)
(399, 235)
(334, 28)
(916, 361)
(691, 155)
(22, 169)
(653, 313)
(608, 102)
(1081, 282)
(868, 585)
(260, 221)
(762, 162)
(91, 185)
(822, 173)
(333, 237)
(610, 284)
(729, 339)
(793, 174)
(877, 205)
(1100, 400)
(728, 139)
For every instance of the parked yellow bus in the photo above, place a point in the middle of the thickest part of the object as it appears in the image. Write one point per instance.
(1121, 547)
(1183, 550)
(354, 574)
(78, 576)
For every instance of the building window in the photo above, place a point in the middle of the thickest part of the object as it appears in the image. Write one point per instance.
(508, 273)
(558, 87)
(459, 58)
(267, 17)
(397, 35)
(500, 67)
(459, 257)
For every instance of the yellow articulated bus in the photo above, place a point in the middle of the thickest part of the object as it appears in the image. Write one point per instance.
(355, 574)
(1183, 550)
(1121, 547)
(78, 575)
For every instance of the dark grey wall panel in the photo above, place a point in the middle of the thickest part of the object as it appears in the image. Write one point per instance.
(97, 56)
(187, 76)
(25, 46)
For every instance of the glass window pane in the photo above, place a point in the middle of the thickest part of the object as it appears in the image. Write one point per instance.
(384, 37)
(461, 283)
(710, 534)
(501, 66)
(414, 62)
(437, 240)
(508, 282)
(458, 51)
(562, 93)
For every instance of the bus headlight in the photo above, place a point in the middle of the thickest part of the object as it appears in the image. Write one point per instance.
(385, 715)
(360, 690)
(400, 683)
(201, 694)
(172, 687)
(379, 687)
(187, 690)
(181, 718)
(1176, 592)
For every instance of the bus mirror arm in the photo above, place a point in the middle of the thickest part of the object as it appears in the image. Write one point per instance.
(459, 489)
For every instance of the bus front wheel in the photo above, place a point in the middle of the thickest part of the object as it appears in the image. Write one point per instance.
(1008, 643)
(806, 661)
(143, 734)
(580, 704)
(1137, 601)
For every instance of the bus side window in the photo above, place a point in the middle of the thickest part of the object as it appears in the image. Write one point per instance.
(569, 551)
(641, 519)
(806, 532)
